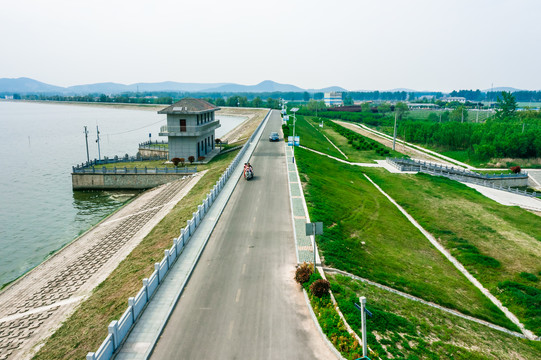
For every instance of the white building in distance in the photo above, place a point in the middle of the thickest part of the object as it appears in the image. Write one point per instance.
(459, 99)
(333, 98)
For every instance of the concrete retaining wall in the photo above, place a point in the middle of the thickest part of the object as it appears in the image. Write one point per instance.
(121, 181)
(153, 152)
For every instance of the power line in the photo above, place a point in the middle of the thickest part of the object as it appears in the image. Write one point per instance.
(132, 130)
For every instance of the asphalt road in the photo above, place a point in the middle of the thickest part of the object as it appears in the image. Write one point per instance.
(241, 301)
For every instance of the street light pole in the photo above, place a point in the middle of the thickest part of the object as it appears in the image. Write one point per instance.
(314, 231)
(294, 110)
(98, 141)
(362, 300)
(86, 140)
(394, 136)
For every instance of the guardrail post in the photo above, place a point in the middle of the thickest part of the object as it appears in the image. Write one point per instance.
(90, 356)
(131, 304)
(113, 330)
(166, 253)
(180, 241)
(145, 286)
(157, 268)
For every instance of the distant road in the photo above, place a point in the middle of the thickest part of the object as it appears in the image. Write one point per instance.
(241, 301)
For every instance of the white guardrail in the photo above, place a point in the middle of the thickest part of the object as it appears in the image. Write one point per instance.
(119, 329)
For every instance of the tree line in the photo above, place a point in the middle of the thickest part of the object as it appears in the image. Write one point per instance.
(508, 134)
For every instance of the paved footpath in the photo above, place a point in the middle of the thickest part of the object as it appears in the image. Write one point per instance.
(304, 244)
(33, 307)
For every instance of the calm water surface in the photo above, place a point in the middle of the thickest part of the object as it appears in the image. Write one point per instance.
(39, 212)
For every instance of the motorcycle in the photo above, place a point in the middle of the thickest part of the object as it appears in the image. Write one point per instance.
(248, 173)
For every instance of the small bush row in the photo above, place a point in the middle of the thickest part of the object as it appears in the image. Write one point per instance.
(358, 141)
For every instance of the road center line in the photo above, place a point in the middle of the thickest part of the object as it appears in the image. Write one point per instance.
(237, 298)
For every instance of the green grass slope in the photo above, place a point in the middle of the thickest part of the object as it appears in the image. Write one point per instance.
(499, 245)
(366, 235)
(406, 329)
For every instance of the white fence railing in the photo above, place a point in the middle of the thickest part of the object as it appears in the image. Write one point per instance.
(118, 330)
(462, 175)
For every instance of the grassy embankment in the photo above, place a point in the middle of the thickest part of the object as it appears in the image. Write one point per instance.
(481, 223)
(367, 236)
(85, 330)
(499, 245)
(405, 329)
(312, 138)
(479, 232)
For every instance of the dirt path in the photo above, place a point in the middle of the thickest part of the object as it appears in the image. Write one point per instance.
(33, 307)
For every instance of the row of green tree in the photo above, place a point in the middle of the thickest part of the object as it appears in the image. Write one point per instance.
(478, 95)
(510, 133)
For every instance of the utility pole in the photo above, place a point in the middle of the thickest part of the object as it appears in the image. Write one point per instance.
(462, 114)
(394, 136)
(86, 140)
(477, 119)
(98, 141)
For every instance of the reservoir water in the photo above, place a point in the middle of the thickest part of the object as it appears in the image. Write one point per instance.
(39, 143)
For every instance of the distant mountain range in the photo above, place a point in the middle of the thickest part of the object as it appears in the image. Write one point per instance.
(26, 85)
(502, 88)
(30, 86)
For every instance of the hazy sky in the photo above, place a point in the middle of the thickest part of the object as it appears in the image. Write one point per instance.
(356, 44)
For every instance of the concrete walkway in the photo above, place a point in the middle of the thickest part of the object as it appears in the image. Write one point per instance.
(299, 212)
(144, 335)
(33, 307)
(508, 198)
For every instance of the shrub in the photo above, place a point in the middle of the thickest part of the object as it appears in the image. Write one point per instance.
(191, 159)
(528, 276)
(175, 161)
(182, 161)
(478, 259)
(201, 158)
(515, 169)
(320, 287)
(303, 273)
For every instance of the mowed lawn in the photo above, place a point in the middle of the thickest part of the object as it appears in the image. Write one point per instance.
(366, 235)
(500, 245)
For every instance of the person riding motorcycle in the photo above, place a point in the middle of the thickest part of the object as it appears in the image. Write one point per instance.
(246, 167)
